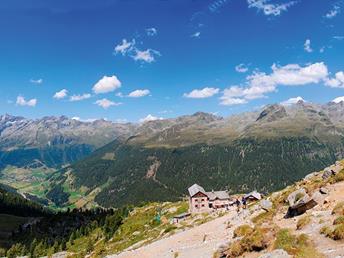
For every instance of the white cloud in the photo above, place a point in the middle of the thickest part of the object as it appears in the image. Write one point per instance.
(259, 84)
(107, 84)
(196, 34)
(241, 68)
(61, 94)
(128, 48)
(202, 93)
(149, 118)
(119, 94)
(79, 97)
(88, 120)
(333, 12)
(338, 37)
(307, 46)
(338, 100)
(292, 101)
(147, 56)
(228, 101)
(216, 5)
(268, 8)
(124, 47)
(139, 93)
(37, 81)
(22, 102)
(337, 81)
(151, 31)
(121, 120)
(105, 103)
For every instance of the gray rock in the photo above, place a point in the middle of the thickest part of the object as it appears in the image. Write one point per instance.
(279, 253)
(297, 197)
(266, 205)
(324, 190)
(327, 173)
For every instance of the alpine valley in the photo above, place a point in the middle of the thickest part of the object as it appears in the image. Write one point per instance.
(68, 163)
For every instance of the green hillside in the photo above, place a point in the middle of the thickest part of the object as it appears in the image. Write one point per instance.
(137, 174)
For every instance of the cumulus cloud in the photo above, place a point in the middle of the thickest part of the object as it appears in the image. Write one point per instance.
(147, 56)
(202, 93)
(79, 97)
(292, 101)
(128, 48)
(307, 46)
(105, 103)
(337, 81)
(269, 8)
(149, 118)
(124, 47)
(36, 81)
(139, 93)
(333, 12)
(22, 102)
(259, 84)
(241, 68)
(196, 34)
(151, 32)
(107, 84)
(338, 100)
(61, 94)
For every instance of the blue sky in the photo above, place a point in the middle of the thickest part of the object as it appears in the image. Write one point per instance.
(126, 59)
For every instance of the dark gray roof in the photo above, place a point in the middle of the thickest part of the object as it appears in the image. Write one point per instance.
(195, 189)
(254, 194)
(182, 215)
(222, 195)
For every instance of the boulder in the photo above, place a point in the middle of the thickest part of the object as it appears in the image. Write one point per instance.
(324, 190)
(266, 205)
(297, 196)
(311, 175)
(300, 202)
(278, 253)
(331, 171)
(327, 173)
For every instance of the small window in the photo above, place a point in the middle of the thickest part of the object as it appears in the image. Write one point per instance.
(196, 206)
(202, 205)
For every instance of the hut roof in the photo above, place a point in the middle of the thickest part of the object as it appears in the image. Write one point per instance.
(194, 189)
(221, 195)
(253, 194)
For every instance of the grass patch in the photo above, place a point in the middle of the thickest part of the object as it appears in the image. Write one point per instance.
(242, 231)
(302, 222)
(338, 209)
(298, 246)
(257, 240)
(339, 220)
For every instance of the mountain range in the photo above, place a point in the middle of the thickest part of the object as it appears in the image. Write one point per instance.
(263, 150)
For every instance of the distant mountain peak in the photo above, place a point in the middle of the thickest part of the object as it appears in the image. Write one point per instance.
(272, 113)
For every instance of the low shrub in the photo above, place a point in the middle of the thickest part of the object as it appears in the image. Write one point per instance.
(338, 232)
(298, 246)
(242, 231)
(338, 209)
(302, 222)
(339, 220)
(256, 240)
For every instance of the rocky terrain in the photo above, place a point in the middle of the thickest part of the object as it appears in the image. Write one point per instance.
(264, 230)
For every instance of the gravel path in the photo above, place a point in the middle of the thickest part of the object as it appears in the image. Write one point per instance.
(189, 243)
